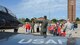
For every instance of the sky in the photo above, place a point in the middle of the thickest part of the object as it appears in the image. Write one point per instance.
(39, 8)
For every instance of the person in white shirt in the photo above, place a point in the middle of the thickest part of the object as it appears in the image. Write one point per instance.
(68, 28)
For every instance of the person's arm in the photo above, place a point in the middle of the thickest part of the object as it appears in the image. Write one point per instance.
(65, 26)
(24, 26)
(30, 27)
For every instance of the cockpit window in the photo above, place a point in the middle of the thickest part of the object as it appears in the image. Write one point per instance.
(2, 9)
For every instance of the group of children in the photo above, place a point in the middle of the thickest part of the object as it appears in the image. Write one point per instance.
(57, 29)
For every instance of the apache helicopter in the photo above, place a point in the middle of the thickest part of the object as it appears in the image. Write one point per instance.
(8, 20)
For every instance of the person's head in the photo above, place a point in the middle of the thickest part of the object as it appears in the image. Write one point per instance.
(68, 20)
(45, 17)
(27, 22)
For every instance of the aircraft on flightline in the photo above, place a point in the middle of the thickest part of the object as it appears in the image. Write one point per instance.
(8, 20)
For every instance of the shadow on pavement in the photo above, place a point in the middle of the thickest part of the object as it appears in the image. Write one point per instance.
(6, 35)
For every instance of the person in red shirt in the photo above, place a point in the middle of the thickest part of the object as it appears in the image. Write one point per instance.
(51, 28)
(28, 27)
(63, 32)
(59, 30)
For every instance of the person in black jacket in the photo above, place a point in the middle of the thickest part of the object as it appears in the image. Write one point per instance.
(75, 25)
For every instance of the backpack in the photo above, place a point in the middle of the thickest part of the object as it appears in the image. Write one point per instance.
(75, 26)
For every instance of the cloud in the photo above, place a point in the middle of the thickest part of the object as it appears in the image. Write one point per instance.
(41, 4)
(41, 7)
(78, 4)
(38, 8)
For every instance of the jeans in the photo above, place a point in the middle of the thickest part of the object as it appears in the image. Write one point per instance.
(28, 31)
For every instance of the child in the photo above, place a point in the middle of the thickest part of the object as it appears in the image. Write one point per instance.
(28, 27)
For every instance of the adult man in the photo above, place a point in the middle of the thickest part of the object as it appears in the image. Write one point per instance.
(44, 27)
(68, 28)
(32, 24)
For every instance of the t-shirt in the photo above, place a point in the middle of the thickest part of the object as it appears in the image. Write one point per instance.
(28, 26)
(68, 26)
